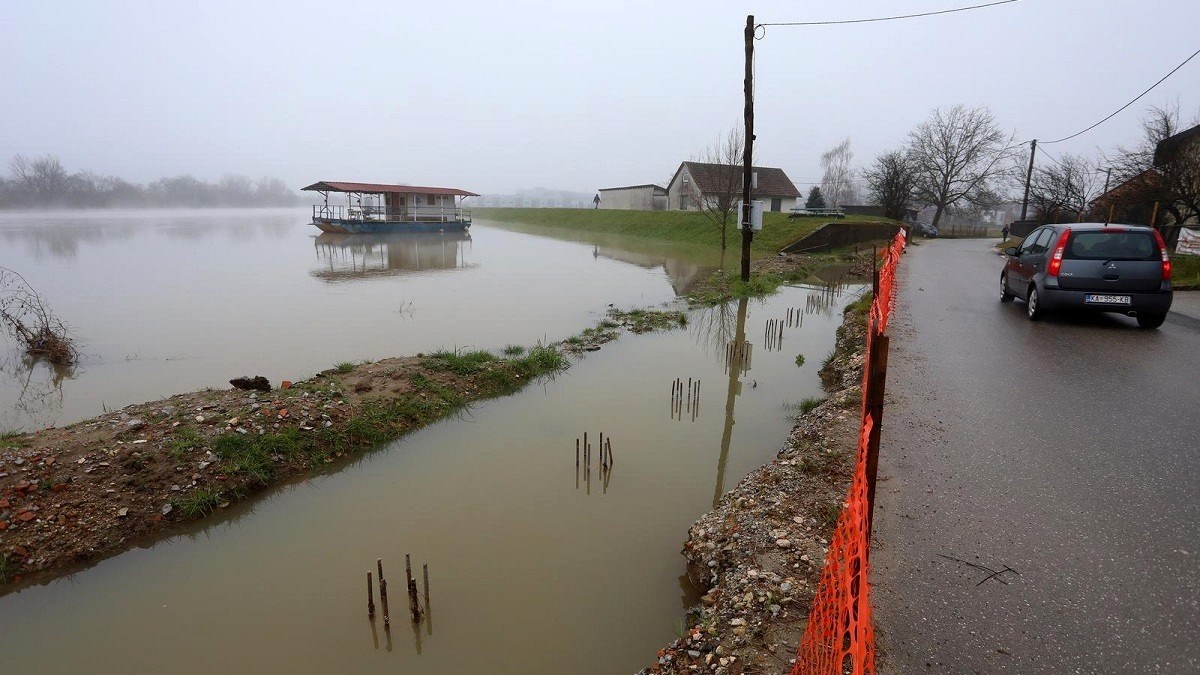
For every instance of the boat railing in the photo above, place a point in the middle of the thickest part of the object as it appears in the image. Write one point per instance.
(402, 214)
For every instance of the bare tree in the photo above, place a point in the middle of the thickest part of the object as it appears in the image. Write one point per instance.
(25, 315)
(722, 190)
(957, 157)
(1063, 188)
(837, 182)
(1174, 182)
(43, 180)
(890, 182)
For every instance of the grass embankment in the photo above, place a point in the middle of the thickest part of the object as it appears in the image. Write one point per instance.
(683, 227)
(1185, 272)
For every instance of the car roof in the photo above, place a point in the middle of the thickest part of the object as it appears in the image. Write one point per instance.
(1093, 227)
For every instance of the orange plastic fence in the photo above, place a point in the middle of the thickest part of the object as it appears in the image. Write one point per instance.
(840, 637)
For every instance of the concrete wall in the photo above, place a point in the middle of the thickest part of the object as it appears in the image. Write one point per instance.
(630, 199)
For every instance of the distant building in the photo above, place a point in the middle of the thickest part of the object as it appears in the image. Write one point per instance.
(694, 182)
(634, 198)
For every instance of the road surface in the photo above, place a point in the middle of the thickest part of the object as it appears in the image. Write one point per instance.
(1037, 508)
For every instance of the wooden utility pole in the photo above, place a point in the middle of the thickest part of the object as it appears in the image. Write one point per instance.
(1028, 178)
(747, 165)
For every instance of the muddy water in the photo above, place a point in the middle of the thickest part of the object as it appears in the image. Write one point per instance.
(533, 568)
(171, 301)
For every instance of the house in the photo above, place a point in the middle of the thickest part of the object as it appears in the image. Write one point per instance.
(634, 198)
(696, 183)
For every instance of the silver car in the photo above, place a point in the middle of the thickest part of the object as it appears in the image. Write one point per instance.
(1091, 267)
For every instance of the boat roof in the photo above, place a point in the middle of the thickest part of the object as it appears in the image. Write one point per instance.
(382, 188)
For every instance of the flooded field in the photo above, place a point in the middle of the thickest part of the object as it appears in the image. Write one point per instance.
(534, 568)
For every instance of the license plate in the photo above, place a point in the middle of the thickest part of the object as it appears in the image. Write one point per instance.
(1108, 299)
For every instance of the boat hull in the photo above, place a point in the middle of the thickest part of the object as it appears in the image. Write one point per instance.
(380, 226)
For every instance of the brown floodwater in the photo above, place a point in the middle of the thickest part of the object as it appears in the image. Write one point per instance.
(533, 567)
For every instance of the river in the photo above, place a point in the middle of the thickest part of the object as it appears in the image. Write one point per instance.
(533, 567)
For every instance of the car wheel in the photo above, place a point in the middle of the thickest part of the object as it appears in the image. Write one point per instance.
(1151, 320)
(1033, 308)
(1005, 294)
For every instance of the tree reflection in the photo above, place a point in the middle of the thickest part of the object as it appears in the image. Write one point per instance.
(38, 392)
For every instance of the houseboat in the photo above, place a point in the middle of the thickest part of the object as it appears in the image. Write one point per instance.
(374, 207)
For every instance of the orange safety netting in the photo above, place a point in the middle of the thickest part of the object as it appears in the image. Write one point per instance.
(840, 637)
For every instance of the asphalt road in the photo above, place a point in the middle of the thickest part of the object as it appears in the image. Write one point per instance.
(1065, 450)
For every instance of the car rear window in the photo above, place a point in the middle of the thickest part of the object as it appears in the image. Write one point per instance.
(1112, 246)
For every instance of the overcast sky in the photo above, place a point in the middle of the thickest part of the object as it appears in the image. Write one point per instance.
(494, 96)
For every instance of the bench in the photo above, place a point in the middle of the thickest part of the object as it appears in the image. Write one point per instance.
(801, 211)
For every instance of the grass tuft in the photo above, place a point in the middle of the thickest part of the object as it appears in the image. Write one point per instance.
(809, 404)
(198, 502)
(799, 360)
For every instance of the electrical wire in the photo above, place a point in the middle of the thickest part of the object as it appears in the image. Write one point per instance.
(1135, 100)
(882, 18)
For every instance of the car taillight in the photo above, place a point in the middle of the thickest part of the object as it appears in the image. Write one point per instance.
(1056, 257)
(1166, 262)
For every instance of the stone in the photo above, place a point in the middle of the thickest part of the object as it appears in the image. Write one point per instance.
(783, 543)
(122, 512)
(256, 383)
(26, 516)
(167, 508)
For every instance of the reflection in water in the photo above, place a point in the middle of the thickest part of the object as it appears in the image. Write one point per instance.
(39, 391)
(739, 365)
(682, 273)
(359, 256)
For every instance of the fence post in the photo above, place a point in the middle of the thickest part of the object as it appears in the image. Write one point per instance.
(876, 381)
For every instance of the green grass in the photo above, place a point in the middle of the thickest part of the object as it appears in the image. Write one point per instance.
(861, 306)
(198, 502)
(684, 227)
(460, 363)
(186, 438)
(808, 404)
(514, 350)
(8, 568)
(799, 360)
(344, 367)
(1185, 271)
(9, 438)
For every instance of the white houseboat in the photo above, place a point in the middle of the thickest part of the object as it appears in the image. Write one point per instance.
(375, 207)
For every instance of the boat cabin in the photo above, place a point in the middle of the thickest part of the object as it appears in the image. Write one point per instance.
(376, 207)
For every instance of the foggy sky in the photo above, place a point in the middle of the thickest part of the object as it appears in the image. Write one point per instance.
(495, 96)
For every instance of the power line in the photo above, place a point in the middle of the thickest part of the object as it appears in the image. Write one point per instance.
(1118, 110)
(887, 18)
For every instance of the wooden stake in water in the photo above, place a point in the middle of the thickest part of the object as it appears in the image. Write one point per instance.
(425, 573)
(413, 605)
(370, 597)
(387, 619)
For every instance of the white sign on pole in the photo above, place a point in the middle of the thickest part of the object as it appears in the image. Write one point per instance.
(1189, 242)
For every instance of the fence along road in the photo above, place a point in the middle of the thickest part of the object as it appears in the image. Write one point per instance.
(1065, 450)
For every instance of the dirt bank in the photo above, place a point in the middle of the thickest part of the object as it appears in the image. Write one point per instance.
(759, 554)
(74, 495)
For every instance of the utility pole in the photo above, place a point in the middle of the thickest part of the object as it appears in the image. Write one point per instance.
(1107, 175)
(1028, 177)
(747, 165)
